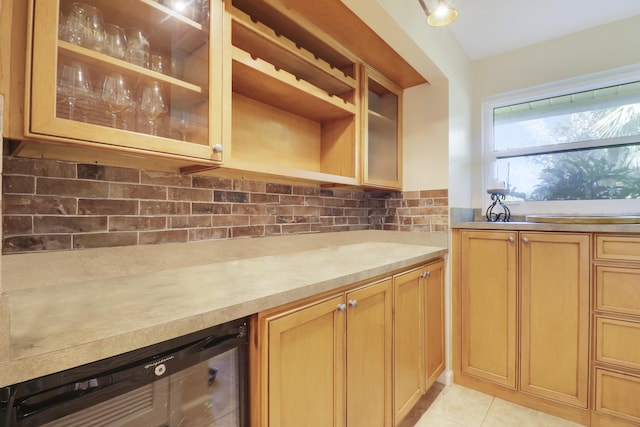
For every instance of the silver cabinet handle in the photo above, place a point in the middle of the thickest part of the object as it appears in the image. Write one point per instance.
(218, 148)
(525, 240)
(342, 308)
(511, 239)
(353, 303)
(425, 275)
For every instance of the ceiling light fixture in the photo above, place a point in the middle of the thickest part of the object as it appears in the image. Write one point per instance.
(442, 15)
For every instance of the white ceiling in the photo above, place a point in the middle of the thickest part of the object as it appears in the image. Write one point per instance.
(489, 27)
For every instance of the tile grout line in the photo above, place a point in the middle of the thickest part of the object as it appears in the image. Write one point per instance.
(493, 399)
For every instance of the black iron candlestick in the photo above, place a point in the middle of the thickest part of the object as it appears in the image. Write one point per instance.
(497, 196)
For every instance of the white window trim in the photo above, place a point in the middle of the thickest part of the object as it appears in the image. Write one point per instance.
(564, 87)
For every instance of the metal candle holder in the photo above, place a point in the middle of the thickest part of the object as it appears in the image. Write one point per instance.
(497, 196)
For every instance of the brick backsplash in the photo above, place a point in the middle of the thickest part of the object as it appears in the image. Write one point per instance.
(51, 205)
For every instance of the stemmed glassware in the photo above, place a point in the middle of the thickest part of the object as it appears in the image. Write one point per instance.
(182, 122)
(117, 95)
(137, 51)
(75, 86)
(152, 104)
(115, 41)
(84, 26)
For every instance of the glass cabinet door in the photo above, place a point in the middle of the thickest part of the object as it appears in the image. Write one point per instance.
(141, 75)
(382, 132)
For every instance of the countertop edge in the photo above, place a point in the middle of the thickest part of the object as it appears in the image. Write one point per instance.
(533, 226)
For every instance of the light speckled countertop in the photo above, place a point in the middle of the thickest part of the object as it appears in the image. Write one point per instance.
(533, 226)
(100, 303)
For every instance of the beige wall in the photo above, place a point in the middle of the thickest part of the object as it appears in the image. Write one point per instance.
(591, 51)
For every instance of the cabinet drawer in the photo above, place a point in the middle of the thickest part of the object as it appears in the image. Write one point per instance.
(618, 342)
(618, 289)
(618, 395)
(626, 248)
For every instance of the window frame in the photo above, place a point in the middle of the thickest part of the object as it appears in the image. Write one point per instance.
(549, 90)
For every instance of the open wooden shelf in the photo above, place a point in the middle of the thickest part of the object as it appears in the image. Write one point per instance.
(291, 172)
(295, 98)
(283, 20)
(263, 42)
(260, 80)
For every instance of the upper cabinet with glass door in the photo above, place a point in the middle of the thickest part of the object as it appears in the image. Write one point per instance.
(382, 147)
(142, 76)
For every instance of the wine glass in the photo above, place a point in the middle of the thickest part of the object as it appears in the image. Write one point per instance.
(182, 122)
(137, 51)
(152, 104)
(115, 41)
(74, 25)
(117, 95)
(94, 26)
(85, 26)
(75, 86)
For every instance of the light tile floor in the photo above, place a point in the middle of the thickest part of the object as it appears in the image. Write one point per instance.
(457, 406)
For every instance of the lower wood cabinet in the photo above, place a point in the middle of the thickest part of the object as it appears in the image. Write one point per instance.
(616, 324)
(554, 316)
(521, 312)
(348, 359)
(306, 353)
(328, 363)
(418, 330)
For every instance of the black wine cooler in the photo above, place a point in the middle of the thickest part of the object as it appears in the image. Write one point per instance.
(197, 380)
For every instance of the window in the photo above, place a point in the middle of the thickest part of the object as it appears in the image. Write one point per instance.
(556, 147)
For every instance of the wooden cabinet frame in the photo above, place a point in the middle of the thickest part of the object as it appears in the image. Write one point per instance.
(45, 52)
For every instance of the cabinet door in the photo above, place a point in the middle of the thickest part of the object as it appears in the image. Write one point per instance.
(488, 305)
(159, 93)
(555, 316)
(369, 356)
(382, 131)
(306, 366)
(408, 341)
(434, 322)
